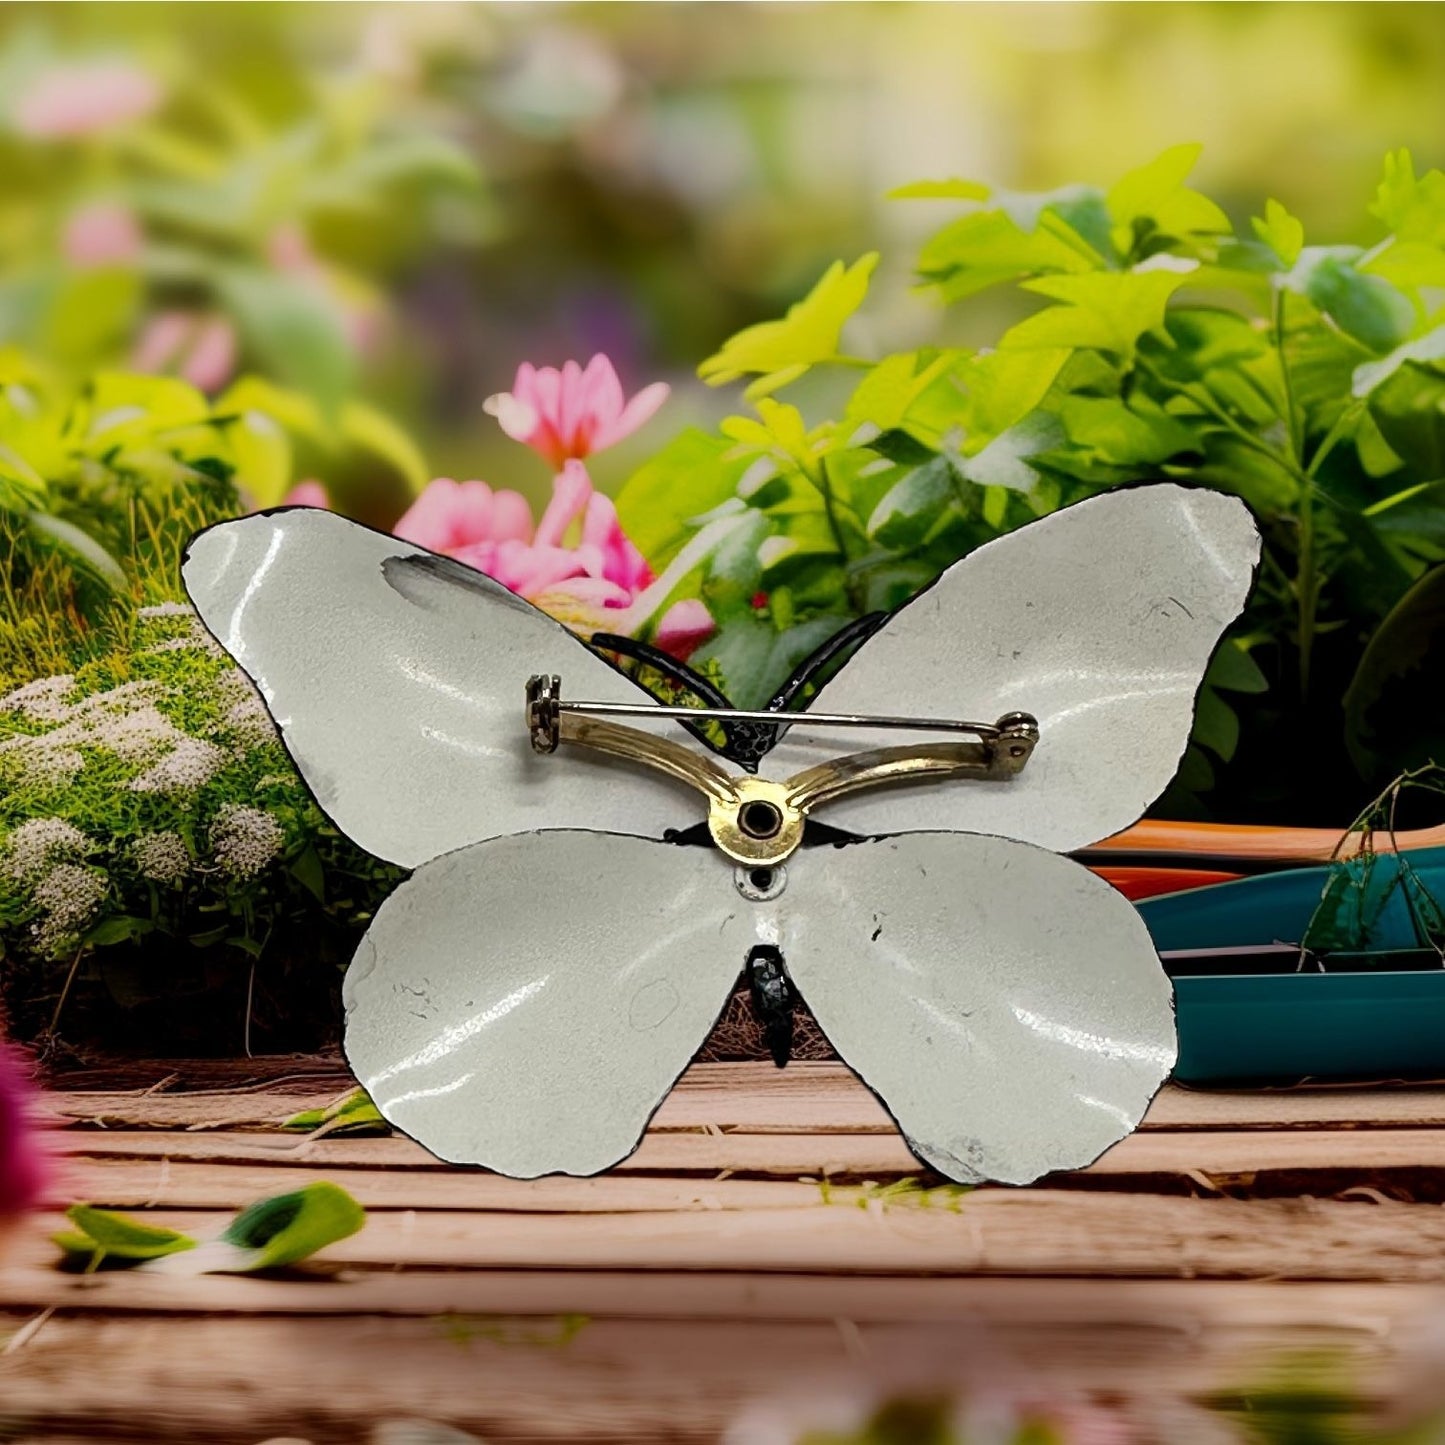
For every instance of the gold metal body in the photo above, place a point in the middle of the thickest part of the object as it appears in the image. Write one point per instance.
(757, 821)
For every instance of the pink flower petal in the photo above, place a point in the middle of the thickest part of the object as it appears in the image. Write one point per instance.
(568, 414)
(83, 98)
(621, 561)
(448, 515)
(528, 570)
(638, 412)
(571, 490)
(511, 517)
(23, 1165)
(307, 494)
(104, 233)
(160, 339)
(684, 627)
(516, 417)
(212, 361)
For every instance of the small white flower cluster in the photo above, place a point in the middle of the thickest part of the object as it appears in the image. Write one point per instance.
(161, 857)
(34, 846)
(190, 764)
(245, 840)
(192, 638)
(126, 723)
(68, 896)
(247, 720)
(44, 700)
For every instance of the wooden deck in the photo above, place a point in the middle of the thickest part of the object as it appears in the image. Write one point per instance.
(758, 1245)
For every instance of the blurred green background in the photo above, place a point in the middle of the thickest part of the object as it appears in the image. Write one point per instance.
(477, 185)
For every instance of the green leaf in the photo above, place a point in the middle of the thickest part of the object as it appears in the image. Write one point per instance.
(294, 410)
(22, 488)
(1413, 209)
(755, 658)
(908, 512)
(120, 929)
(81, 549)
(1280, 231)
(1426, 348)
(124, 406)
(291, 1227)
(1004, 462)
(103, 1233)
(888, 392)
(306, 869)
(1121, 435)
(355, 1114)
(981, 250)
(1364, 306)
(1105, 310)
(692, 474)
(1409, 265)
(1409, 409)
(373, 431)
(1393, 718)
(1232, 669)
(262, 453)
(780, 351)
(1156, 193)
(1002, 388)
(949, 190)
(295, 333)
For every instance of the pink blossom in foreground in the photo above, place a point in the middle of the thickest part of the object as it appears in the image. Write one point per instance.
(202, 349)
(307, 494)
(575, 562)
(104, 233)
(22, 1161)
(83, 97)
(569, 414)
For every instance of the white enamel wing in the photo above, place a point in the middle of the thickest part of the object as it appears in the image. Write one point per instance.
(527, 998)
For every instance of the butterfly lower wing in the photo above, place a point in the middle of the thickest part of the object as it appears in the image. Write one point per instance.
(397, 678)
(1100, 620)
(526, 1003)
(1006, 1005)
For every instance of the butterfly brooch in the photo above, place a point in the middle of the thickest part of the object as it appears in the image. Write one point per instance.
(595, 872)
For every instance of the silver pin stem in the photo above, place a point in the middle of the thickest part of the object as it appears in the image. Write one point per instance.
(986, 731)
(545, 708)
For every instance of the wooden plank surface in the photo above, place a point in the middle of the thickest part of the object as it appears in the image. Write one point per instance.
(804, 1097)
(609, 1380)
(772, 1227)
(635, 1378)
(1333, 1157)
(1033, 1232)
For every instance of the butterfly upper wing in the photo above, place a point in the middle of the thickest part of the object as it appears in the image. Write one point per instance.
(1006, 1005)
(1100, 620)
(397, 678)
(526, 1003)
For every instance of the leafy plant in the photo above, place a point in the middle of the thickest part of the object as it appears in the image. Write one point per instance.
(207, 216)
(1309, 379)
(270, 1234)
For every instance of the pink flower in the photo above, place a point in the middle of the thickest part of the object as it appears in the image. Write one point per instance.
(83, 97)
(569, 414)
(104, 233)
(200, 348)
(307, 494)
(576, 562)
(22, 1160)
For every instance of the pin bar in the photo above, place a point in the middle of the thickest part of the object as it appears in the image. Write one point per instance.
(545, 708)
(986, 731)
